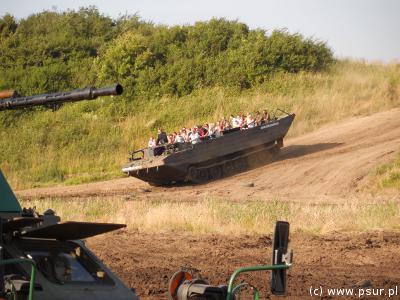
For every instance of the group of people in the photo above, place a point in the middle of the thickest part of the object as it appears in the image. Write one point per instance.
(209, 130)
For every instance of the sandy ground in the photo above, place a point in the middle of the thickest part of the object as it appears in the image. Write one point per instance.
(331, 164)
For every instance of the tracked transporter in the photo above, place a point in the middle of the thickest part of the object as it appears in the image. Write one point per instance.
(230, 153)
(40, 256)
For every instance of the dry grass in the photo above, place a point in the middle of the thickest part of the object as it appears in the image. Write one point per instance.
(89, 141)
(225, 217)
(386, 176)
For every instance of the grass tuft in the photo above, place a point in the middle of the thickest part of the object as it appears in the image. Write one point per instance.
(387, 176)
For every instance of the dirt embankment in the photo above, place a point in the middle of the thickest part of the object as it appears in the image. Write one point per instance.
(331, 163)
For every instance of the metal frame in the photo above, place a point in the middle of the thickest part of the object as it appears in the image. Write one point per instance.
(232, 290)
(33, 271)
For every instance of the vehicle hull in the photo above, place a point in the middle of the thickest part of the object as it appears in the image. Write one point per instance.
(211, 155)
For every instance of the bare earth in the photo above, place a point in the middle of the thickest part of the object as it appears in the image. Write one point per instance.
(329, 165)
(145, 262)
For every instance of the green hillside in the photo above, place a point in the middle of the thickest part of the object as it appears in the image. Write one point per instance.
(173, 76)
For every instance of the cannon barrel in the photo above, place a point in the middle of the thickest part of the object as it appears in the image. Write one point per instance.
(88, 93)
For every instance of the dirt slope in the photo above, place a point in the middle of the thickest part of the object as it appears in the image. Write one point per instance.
(332, 162)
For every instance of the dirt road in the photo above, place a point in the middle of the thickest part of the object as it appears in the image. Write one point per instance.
(330, 163)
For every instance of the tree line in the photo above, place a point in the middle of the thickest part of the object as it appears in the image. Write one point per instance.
(52, 51)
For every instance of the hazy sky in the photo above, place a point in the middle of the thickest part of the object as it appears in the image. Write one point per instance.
(368, 29)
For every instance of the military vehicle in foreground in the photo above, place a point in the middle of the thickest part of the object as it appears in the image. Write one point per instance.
(210, 159)
(40, 256)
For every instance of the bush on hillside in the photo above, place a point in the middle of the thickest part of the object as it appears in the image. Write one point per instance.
(53, 51)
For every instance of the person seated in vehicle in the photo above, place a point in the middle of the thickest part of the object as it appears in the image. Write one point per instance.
(184, 134)
(218, 128)
(236, 122)
(265, 116)
(199, 131)
(211, 131)
(195, 137)
(152, 142)
(179, 138)
(171, 139)
(242, 121)
(232, 120)
(258, 118)
(250, 122)
(204, 130)
(225, 125)
(162, 137)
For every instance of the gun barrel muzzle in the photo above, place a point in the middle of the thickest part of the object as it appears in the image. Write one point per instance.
(88, 93)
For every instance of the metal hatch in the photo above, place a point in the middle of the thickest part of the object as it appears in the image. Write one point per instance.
(70, 230)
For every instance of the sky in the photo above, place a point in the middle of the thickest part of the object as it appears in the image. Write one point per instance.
(358, 29)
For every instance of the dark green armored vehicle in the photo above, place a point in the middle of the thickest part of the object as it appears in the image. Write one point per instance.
(211, 159)
(40, 256)
(44, 257)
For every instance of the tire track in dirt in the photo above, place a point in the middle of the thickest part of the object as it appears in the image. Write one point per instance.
(332, 162)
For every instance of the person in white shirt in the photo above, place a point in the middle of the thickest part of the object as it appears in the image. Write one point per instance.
(179, 138)
(236, 122)
(195, 137)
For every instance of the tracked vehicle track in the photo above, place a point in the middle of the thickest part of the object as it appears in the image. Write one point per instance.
(235, 165)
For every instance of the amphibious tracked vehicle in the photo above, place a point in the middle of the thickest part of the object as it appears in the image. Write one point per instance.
(40, 256)
(210, 159)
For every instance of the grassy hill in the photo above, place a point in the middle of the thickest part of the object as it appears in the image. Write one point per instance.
(173, 77)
